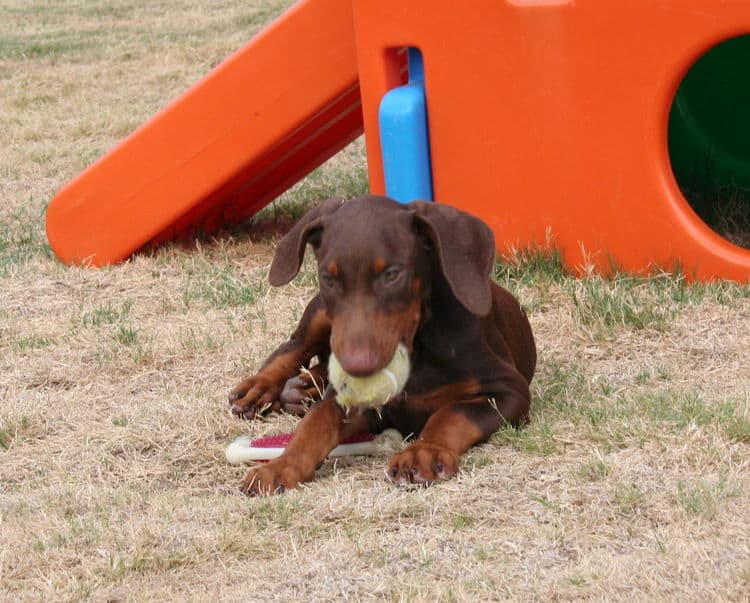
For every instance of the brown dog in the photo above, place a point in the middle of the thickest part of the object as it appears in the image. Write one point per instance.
(390, 273)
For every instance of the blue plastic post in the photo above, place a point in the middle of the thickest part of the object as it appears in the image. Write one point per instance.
(404, 139)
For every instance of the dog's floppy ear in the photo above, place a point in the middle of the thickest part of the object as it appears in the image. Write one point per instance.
(465, 248)
(291, 248)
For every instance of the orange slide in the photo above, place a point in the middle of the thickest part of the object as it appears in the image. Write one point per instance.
(260, 121)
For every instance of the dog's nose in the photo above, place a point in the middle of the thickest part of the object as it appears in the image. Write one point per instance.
(360, 361)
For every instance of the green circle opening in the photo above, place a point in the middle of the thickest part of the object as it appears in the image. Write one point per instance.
(709, 138)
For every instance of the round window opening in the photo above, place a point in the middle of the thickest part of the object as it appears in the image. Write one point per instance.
(709, 139)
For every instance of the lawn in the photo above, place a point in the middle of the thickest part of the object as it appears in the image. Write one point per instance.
(632, 481)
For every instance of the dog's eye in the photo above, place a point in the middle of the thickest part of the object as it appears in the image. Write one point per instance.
(392, 275)
(327, 279)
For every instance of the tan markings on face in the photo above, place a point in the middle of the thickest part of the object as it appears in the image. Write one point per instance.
(333, 269)
(416, 286)
(319, 329)
(379, 265)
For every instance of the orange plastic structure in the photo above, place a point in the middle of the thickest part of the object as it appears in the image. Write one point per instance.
(550, 116)
(546, 118)
(259, 122)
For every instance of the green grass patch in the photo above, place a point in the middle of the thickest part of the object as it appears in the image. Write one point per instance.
(532, 275)
(32, 342)
(107, 314)
(704, 498)
(126, 335)
(533, 266)
(606, 304)
(459, 521)
(537, 438)
(627, 498)
(570, 394)
(577, 580)
(52, 44)
(194, 341)
(120, 421)
(273, 513)
(594, 470)
(11, 429)
(562, 387)
(132, 340)
(147, 561)
(22, 238)
(219, 286)
(737, 428)
(684, 408)
(6, 436)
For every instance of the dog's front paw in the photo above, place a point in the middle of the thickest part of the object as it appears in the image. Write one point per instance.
(422, 463)
(255, 396)
(300, 392)
(275, 477)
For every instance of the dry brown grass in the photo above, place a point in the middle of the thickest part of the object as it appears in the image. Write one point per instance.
(632, 482)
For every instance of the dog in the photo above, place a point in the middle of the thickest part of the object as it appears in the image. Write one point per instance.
(416, 274)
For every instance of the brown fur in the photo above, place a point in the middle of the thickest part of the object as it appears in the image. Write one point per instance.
(389, 273)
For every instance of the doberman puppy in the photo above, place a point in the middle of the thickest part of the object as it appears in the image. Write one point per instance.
(390, 273)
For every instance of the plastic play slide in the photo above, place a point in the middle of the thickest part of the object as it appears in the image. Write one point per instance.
(260, 121)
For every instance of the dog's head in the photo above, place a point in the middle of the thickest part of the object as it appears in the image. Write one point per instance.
(376, 263)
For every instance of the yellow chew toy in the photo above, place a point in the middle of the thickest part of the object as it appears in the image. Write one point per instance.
(373, 391)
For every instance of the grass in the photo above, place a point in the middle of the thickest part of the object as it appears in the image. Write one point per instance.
(222, 287)
(627, 498)
(594, 470)
(106, 314)
(21, 238)
(704, 498)
(632, 473)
